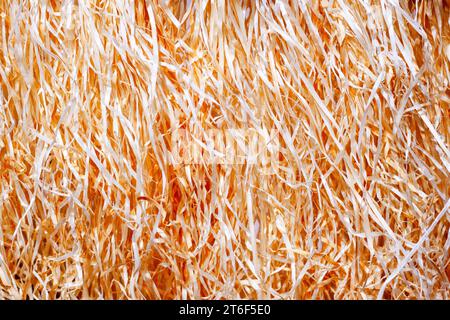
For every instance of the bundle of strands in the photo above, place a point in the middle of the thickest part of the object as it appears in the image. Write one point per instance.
(112, 181)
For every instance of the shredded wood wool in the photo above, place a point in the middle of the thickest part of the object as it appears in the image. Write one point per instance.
(99, 200)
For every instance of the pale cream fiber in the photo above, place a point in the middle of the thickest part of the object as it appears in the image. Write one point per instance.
(113, 183)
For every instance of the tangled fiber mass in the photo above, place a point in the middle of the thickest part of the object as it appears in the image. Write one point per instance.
(356, 205)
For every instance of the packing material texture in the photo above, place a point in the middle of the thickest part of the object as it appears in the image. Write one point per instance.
(126, 162)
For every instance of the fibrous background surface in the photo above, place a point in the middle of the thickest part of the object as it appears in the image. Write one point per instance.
(353, 204)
